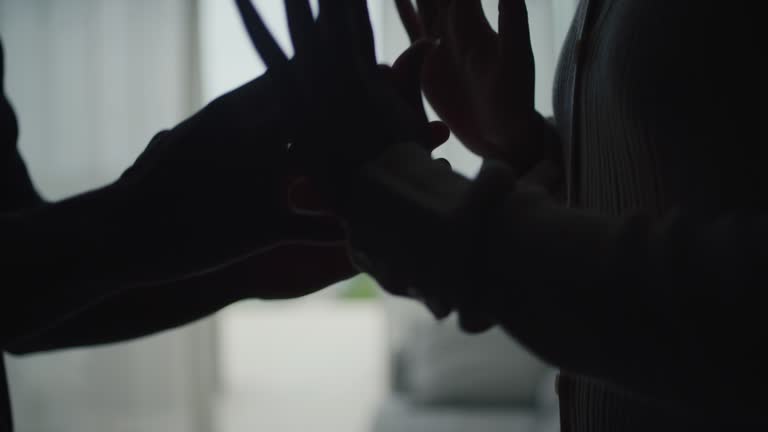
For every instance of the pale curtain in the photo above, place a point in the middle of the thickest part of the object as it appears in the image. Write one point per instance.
(92, 81)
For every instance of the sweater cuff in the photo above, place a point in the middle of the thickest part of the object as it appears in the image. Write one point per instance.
(414, 222)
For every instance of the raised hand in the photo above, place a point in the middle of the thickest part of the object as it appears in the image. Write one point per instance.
(215, 188)
(481, 83)
(347, 107)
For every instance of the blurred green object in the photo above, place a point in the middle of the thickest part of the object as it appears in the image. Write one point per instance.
(360, 288)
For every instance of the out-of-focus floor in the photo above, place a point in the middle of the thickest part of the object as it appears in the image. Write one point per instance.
(312, 365)
(318, 365)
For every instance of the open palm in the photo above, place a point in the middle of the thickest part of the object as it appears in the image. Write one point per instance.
(344, 109)
(480, 82)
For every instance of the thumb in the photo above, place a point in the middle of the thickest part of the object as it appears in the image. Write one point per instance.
(312, 230)
(406, 73)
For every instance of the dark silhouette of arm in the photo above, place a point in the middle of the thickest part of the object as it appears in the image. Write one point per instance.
(62, 257)
(207, 196)
(147, 310)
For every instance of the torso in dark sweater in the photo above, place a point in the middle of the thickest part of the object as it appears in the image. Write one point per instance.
(655, 107)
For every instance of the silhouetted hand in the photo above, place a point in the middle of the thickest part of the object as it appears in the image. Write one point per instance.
(346, 107)
(219, 181)
(349, 108)
(479, 82)
(404, 75)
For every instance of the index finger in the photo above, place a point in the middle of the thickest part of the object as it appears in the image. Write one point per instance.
(359, 23)
(410, 19)
(429, 12)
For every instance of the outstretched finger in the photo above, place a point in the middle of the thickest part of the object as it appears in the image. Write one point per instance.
(260, 36)
(429, 12)
(410, 19)
(468, 29)
(300, 23)
(514, 31)
(333, 23)
(361, 31)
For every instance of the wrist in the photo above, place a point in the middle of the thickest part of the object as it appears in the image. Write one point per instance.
(406, 174)
(532, 140)
(400, 210)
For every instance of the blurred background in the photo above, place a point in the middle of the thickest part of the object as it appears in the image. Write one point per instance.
(92, 81)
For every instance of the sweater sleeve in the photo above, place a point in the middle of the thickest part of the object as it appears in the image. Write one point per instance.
(650, 304)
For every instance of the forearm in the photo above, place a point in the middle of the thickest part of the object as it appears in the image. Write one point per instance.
(146, 310)
(48, 250)
(62, 257)
(135, 313)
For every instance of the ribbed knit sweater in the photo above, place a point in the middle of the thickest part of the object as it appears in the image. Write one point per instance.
(657, 102)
